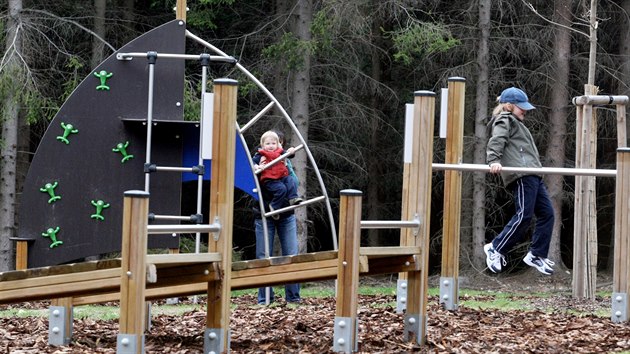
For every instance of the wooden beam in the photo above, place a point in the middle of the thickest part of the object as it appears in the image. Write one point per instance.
(180, 10)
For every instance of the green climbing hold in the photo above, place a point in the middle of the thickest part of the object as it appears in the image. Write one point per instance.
(67, 130)
(50, 189)
(103, 75)
(52, 234)
(122, 148)
(99, 205)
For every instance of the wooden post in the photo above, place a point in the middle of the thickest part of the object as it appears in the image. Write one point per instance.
(21, 255)
(217, 334)
(621, 271)
(345, 337)
(622, 134)
(452, 194)
(585, 214)
(180, 10)
(133, 273)
(420, 204)
(406, 234)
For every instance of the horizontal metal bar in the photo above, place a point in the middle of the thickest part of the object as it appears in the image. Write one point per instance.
(278, 159)
(215, 58)
(599, 99)
(535, 171)
(182, 229)
(174, 169)
(306, 202)
(171, 217)
(389, 224)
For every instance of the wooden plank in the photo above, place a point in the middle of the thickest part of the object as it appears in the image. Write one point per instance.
(183, 258)
(393, 264)
(55, 290)
(57, 281)
(389, 251)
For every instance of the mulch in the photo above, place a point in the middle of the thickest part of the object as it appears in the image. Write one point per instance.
(559, 324)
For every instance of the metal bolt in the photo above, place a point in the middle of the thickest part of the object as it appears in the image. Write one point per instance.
(125, 341)
(403, 300)
(212, 335)
(341, 341)
(412, 320)
(178, 104)
(55, 330)
(342, 324)
(445, 297)
(618, 313)
(344, 263)
(407, 264)
(403, 285)
(56, 313)
(206, 272)
(446, 282)
(619, 298)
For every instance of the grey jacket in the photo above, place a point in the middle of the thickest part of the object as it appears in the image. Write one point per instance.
(512, 145)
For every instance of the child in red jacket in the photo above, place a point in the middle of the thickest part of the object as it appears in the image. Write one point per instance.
(275, 179)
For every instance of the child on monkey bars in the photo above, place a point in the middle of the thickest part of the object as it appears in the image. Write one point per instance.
(275, 178)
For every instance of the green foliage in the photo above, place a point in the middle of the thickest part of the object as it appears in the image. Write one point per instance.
(205, 13)
(321, 30)
(289, 50)
(192, 101)
(74, 66)
(421, 39)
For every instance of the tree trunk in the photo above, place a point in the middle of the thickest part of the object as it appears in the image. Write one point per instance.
(555, 153)
(374, 165)
(479, 194)
(99, 30)
(10, 113)
(300, 100)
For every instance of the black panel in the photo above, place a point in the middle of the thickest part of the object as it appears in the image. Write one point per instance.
(87, 169)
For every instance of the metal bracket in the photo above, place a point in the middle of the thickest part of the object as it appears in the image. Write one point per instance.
(415, 328)
(216, 234)
(401, 296)
(448, 293)
(619, 307)
(213, 341)
(416, 230)
(57, 326)
(126, 344)
(343, 335)
(411, 327)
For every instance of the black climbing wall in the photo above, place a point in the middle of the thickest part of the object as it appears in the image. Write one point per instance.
(86, 169)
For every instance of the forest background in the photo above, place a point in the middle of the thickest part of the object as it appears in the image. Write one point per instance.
(344, 70)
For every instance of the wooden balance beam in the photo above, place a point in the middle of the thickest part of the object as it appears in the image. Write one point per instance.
(188, 274)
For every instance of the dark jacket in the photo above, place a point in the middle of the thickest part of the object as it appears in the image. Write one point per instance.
(512, 145)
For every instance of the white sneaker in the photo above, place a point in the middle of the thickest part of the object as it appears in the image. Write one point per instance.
(543, 265)
(494, 260)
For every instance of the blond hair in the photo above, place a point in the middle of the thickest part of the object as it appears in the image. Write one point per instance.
(502, 107)
(269, 134)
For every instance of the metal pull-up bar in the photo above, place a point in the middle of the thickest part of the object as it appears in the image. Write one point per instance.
(534, 171)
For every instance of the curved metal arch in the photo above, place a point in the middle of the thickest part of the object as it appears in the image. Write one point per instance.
(296, 132)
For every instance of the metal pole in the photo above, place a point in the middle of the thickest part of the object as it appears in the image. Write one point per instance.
(152, 57)
(534, 171)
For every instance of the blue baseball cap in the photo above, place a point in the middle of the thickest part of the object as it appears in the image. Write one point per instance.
(517, 97)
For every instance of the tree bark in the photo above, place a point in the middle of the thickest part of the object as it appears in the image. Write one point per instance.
(555, 153)
(374, 165)
(479, 194)
(300, 109)
(99, 29)
(10, 113)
